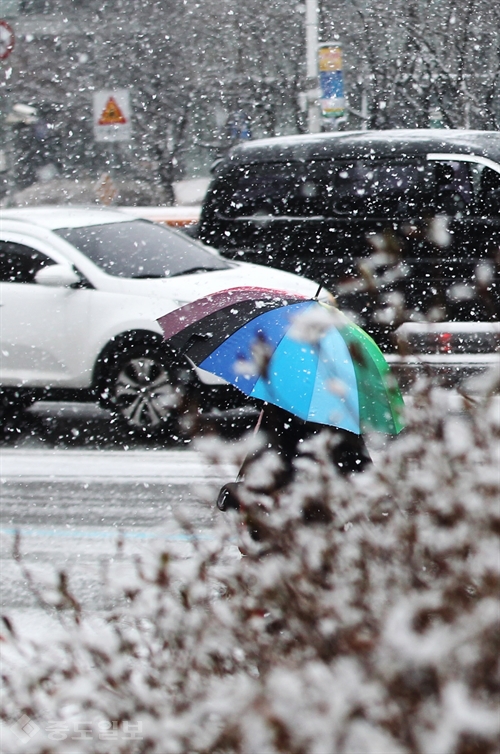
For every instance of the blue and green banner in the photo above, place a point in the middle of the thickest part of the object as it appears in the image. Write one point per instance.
(331, 80)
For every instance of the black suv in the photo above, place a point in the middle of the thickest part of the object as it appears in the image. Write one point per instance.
(400, 225)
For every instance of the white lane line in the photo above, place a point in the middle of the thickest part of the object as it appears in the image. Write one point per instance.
(174, 467)
(102, 534)
(167, 479)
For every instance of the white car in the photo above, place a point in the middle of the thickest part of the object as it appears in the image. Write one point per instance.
(80, 292)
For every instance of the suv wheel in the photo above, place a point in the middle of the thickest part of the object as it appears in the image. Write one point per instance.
(142, 392)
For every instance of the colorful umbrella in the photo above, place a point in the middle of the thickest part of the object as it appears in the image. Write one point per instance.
(300, 354)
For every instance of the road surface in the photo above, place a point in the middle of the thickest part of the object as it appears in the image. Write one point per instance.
(70, 506)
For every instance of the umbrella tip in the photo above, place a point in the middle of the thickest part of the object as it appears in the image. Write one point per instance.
(316, 295)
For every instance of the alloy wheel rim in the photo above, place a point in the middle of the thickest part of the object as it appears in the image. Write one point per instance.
(143, 394)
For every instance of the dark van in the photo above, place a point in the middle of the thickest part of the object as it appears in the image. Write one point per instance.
(399, 221)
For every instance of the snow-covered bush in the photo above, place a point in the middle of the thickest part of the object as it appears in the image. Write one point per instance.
(366, 618)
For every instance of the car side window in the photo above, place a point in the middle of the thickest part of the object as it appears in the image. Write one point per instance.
(19, 263)
(488, 193)
(453, 187)
(264, 189)
(385, 188)
(329, 188)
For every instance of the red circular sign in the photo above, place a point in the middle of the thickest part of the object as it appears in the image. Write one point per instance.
(6, 40)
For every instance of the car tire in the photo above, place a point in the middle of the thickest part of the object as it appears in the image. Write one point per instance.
(143, 391)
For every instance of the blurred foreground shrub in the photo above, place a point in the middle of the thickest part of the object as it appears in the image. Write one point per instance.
(364, 620)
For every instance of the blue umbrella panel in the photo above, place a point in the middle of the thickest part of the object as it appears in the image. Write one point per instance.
(298, 378)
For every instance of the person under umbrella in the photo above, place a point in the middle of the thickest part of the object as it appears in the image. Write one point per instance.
(312, 368)
(285, 435)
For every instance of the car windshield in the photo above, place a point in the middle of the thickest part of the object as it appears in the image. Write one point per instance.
(141, 249)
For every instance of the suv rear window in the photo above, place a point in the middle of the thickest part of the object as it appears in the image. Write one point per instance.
(329, 189)
(140, 249)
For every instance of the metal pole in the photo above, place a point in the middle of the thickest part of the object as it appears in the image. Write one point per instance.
(314, 118)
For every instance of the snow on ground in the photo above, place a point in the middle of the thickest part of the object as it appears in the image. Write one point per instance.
(71, 507)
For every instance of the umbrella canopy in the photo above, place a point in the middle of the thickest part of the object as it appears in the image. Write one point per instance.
(300, 354)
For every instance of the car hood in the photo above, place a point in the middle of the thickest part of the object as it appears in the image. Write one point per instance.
(186, 288)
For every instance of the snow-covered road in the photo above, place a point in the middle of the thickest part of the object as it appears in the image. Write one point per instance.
(71, 505)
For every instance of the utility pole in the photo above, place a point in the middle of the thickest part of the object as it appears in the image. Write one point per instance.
(7, 44)
(312, 93)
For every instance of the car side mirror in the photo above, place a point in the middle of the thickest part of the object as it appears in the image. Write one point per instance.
(57, 276)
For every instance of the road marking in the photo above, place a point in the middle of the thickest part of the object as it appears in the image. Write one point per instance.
(78, 534)
(174, 467)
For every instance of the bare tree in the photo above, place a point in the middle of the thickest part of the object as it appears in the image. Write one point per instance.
(417, 57)
(192, 67)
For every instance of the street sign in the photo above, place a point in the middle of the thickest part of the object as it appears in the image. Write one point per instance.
(6, 40)
(331, 80)
(112, 117)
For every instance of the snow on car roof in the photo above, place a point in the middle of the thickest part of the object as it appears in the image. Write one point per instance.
(358, 144)
(53, 217)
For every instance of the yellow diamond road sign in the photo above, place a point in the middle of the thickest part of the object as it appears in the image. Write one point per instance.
(112, 117)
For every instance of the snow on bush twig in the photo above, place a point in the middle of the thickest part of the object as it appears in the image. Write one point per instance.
(364, 619)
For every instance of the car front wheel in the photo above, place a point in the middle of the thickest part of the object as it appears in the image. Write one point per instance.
(143, 392)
